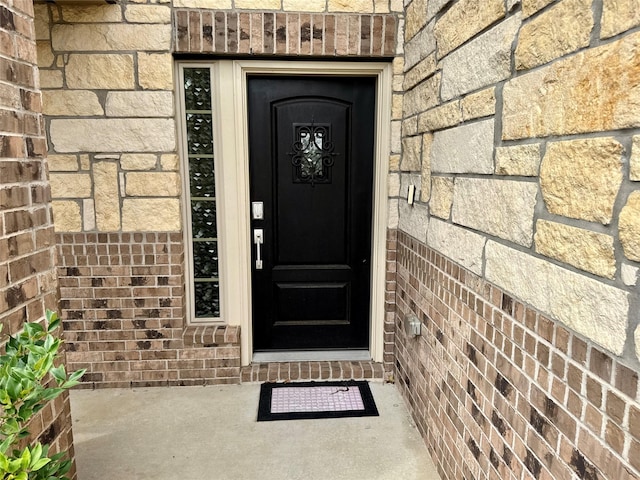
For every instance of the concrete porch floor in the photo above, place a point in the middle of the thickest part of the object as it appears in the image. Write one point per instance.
(194, 433)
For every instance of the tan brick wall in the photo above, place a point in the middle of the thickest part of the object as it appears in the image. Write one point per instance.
(28, 280)
(501, 391)
(122, 301)
(300, 34)
(521, 259)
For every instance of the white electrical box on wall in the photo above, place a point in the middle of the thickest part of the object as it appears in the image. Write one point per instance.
(411, 194)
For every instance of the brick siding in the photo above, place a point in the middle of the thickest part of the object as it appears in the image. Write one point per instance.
(500, 391)
(269, 33)
(123, 309)
(27, 252)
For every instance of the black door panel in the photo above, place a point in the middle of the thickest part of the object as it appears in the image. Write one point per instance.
(311, 164)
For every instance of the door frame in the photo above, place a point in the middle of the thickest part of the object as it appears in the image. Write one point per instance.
(232, 132)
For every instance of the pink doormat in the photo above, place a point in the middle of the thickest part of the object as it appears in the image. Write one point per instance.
(297, 401)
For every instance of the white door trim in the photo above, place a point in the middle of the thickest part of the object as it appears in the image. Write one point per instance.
(230, 87)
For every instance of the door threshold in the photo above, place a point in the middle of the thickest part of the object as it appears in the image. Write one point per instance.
(312, 355)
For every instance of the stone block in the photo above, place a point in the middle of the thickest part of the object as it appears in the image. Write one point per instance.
(589, 307)
(100, 71)
(464, 149)
(634, 162)
(392, 220)
(258, 4)
(116, 135)
(66, 216)
(581, 178)
(421, 46)
(139, 104)
(397, 65)
(41, 21)
(589, 251)
(304, 5)
(419, 72)
(561, 30)
(410, 126)
(425, 180)
(70, 103)
(384, 6)
(208, 4)
(169, 162)
(51, 79)
(422, 97)
(151, 215)
(156, 14)
(441, 197)
(152, 184)
(459, 244)
(396, 136)
(394, 163)
(393, 184)
(88, 214)
(629, 274)
(396, 106)
(103, 37)
(413, 219)
(479, 104)
(356, 6)
(411, 154)
(529, 7)
(415, 18)
(62, 163)
(636, 337)
(503, 208)
(44, 54)
(70, 185)
(108, 13)
(106, 196)
(138, 161)
(442, 116)
(482, 62)
(592, 91)
(85, 162)
(155, 71)
(629, 227)
(519, 160)
(465, 19)
(619, 16)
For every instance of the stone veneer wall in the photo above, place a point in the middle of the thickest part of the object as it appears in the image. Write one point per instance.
(521, 132)
(108, 99)
(28, 280)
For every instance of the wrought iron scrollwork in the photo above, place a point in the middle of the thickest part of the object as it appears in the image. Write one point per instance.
(312, 156)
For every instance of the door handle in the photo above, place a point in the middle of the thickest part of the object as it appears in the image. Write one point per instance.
(258, 239)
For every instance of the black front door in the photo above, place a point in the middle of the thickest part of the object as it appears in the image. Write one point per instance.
(311, 166)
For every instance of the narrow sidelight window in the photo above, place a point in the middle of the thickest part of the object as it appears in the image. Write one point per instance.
(201, 228)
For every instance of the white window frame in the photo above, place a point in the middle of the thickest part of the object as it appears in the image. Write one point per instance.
(231, 152)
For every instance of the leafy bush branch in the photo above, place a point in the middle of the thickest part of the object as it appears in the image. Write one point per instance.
(29, 379)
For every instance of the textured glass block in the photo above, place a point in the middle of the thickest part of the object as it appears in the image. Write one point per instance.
(199, 133)
(197, 89)
(205, 259)
(202, 177)
(203, 219)
(207, 296)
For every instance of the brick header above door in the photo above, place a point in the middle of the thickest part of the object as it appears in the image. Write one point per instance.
(282, 34)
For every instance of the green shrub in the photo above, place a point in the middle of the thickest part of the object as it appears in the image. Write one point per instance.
(29, 379)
